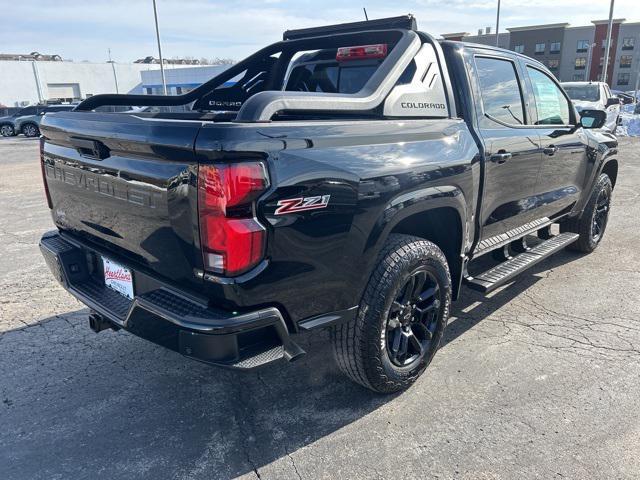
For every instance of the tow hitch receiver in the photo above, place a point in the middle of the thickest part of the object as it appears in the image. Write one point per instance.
(97, 323)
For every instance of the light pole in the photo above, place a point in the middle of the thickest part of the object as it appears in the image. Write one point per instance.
(113, 68)
(589, 53)
(155, 16)
(497, 23)
(635, 90)
(606, 56)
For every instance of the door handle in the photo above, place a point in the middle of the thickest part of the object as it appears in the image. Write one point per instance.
(500, 157)
(550, 150)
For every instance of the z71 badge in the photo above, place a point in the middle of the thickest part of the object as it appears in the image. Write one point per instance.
(292, 205)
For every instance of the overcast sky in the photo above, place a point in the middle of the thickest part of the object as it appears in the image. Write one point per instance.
(84, 30)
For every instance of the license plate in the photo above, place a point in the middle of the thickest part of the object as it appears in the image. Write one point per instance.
(118, 278)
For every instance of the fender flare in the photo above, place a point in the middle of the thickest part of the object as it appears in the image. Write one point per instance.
(419, 201)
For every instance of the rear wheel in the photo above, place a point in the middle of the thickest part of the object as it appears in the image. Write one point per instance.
(7, 130)
(401, 319)
(592, 224)
(30, 130)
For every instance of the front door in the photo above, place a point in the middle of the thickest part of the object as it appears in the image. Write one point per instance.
(564, 162)
(512, 149)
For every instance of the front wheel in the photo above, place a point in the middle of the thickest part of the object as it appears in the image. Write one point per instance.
(401, 318)
(30, 130)
(7, 130)
(593, 221)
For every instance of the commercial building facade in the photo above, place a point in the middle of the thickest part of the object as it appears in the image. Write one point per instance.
(574, 53)
(32, 82)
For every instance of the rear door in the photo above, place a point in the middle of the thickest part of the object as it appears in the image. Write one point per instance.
(512, 148)
(563, 142)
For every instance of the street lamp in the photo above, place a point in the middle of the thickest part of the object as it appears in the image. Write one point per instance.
(155, 16)
(606, 56)
(589, 53)
(497, 23)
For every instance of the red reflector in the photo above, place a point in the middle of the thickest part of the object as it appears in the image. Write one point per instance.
(230, 245)
(44, 174)
(361, 52)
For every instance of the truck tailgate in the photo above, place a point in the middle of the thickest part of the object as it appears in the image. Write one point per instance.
(127, 184)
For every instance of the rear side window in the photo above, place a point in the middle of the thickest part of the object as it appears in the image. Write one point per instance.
(330, 77)
(28, 111)
(500, 90)
(551, 105)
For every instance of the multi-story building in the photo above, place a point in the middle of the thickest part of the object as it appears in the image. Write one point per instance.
(574, 53)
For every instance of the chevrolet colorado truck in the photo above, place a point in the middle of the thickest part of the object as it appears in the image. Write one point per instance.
(344, 178)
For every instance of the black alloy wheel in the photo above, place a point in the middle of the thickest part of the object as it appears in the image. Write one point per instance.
(591, 225)
(600, 214)
(413, 318)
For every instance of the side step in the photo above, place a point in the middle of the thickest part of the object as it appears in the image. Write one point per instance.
(501, 274)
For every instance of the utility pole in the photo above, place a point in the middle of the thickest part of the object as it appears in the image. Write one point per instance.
(113, 68)
(635, 90)
(498, 23)
(606, 56)
(589, 53)
(155, 16)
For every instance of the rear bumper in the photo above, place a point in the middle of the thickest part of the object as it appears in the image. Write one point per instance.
(167, 317)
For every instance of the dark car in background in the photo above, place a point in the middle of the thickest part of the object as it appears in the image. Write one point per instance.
(27, 120)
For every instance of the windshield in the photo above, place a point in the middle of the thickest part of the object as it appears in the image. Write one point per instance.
(585, 93)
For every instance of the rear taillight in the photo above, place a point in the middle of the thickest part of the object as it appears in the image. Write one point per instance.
(361, 52)
(232, 240)
(44, 174)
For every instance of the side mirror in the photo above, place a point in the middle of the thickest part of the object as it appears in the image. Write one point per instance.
(613, 101)
(592, 118)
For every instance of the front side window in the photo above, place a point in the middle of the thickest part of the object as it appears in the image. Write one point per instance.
(519, 49)
(581, 63)
(551, 105)
(623, 78)
(500, 90)
(583, 46)
(625, 61)
(628, 43)
(554, 47)
(540, 48)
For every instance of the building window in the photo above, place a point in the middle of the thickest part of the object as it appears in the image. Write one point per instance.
(604, 43)
(583, 46)
(519, 49)
(554, 64)
(148, 90)
(578, 77)
(581, 63)
(628, 43)
(625, 61)
(540, 48)
(554, 47)
(623, 78)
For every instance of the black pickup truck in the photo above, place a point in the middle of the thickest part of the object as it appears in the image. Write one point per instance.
(346, 177)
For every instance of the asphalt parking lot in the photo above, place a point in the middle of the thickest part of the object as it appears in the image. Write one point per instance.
(541, 380)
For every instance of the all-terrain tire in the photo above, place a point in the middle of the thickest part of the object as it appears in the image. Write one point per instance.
(584, 224)
(359, 345)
